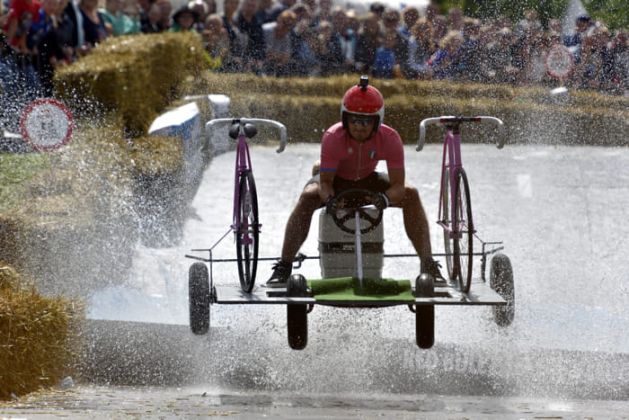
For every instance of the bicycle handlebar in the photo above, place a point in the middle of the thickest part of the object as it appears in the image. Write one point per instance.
(451, 119)
(242, 121)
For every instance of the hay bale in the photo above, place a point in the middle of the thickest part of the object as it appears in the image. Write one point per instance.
(528, 112)
(239, 84)
(37, 345)
(15, 171)
(135, 76)
(84, 208)
(157, 155)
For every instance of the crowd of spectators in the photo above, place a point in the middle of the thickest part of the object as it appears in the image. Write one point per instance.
(315, 38)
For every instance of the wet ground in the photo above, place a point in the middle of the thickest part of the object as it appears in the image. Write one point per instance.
(559, 210)
(183, 403)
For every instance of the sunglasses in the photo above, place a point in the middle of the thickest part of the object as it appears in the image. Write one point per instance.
(364, 121)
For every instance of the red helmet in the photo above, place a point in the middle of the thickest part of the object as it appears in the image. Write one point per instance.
(363, 99)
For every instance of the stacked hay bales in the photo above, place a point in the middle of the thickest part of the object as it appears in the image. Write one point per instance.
(37, 344)
(114, 92)
(70, 222)
(530, 114)
(135, 76)
(67, 219)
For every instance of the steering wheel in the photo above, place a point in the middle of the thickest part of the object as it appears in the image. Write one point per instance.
(354, 200)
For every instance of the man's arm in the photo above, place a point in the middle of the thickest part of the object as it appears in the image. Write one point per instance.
(330, 152)
(326, 190)
(396, 189)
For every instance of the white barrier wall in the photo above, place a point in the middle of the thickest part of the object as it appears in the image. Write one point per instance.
(185, 123)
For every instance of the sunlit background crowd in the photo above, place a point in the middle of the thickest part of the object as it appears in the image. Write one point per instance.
(316, 38)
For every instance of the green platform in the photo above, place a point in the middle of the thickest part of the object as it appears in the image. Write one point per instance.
(348, 289)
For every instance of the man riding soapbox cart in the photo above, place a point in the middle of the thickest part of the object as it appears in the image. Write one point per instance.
(351, 258)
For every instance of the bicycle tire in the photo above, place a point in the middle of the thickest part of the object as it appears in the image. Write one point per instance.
(463, 246)
(448, 243)
(247, 250)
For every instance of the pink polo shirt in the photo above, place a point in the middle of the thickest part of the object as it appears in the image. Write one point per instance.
(353, 160)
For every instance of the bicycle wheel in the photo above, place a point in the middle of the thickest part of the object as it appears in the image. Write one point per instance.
(448, 243)
(463, 246)
(247, 232)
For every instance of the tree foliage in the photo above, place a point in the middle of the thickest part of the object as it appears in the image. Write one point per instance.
(614, 13)
(547, 9)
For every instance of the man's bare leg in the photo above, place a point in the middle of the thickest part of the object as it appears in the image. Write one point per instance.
(298, 224)
(416, 224)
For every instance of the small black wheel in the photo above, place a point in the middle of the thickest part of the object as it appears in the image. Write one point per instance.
(353, 200)
(247, 231)
(297, 314)
(501, 280)
(199, 298)
(425, 314)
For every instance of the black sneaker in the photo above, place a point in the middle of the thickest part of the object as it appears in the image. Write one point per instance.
(281, 273)
(433, 268)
